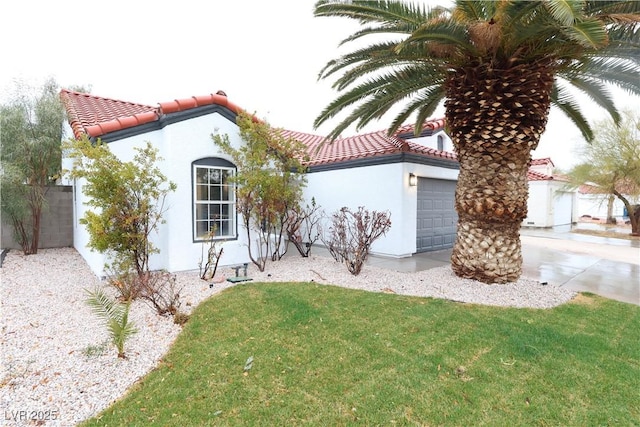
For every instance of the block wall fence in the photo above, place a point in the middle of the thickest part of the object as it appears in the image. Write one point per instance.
(56, 224)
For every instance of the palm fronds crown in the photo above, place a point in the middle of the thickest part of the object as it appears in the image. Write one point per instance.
(588, 45)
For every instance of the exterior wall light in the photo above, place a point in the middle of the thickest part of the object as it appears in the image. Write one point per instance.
(413, 180)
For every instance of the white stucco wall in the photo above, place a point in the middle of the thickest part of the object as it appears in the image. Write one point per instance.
(549, 205)
(179, 145)
(595, 205)
(376, 188)
(380, 188)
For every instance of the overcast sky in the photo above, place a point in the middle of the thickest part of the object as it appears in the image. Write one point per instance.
(265, 55)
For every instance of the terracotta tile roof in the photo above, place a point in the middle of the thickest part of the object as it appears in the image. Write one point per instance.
(219, 98)
(627, 188)
(544, 161)
(379, 143)
(432, 125)
(96, 116)
(537, 176)
(590, 189)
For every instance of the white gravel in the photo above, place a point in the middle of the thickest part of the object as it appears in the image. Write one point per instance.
(57, 366)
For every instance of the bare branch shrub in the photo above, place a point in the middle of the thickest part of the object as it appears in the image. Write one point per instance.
(303, 227)
(352, 233)
(213, 256)
(161, 290)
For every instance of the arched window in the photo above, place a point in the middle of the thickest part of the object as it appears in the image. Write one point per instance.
(440, 143)
(214, 199)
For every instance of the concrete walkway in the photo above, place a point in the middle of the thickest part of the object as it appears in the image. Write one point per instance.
(603, 266)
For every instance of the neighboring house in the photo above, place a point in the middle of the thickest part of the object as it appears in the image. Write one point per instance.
(411, 177)
(593, 201)
(550, 202)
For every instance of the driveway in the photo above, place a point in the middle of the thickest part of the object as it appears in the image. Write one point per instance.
(603, 266)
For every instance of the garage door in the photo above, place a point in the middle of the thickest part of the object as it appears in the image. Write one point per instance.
(437, 218)
(562, 208)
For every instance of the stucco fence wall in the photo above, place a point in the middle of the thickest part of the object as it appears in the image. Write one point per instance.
(56, 223)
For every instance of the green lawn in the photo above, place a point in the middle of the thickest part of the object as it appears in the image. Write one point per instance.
(329, 356)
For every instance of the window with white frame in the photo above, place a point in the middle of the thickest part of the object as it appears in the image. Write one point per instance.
(214, 207)
(440, 143)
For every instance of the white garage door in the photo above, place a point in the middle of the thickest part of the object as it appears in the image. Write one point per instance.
(437, 217)
(562, 208)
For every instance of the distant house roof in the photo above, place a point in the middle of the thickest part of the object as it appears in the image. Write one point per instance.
(543, 161)
(626, 188)
(96, 116)
(537, 176)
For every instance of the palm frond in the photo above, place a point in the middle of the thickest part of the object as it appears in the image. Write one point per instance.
(102, 305)
(613, 10)
(567, 103)
(598, 93)
(563, 11)
(589, 33)
(473, 11)
(444, 33)
(373, 11)
(376, 53)
(425, 102)
(614, 71)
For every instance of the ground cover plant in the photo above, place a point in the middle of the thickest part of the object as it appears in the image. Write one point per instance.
(308, 354)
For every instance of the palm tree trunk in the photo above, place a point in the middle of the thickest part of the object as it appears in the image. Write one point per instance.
(495, 118)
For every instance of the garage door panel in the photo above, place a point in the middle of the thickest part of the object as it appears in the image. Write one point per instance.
(436, 216)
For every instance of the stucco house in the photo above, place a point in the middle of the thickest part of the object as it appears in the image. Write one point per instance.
(593, 202)
(550, 202)
(412, 177)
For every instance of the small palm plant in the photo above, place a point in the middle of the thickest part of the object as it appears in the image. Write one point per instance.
(116, 315)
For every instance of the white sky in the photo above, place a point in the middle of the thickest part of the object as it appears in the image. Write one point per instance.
(265, 55)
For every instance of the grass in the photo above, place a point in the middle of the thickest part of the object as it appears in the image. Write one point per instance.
(328, 356)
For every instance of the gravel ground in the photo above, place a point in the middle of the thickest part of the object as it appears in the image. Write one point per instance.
(58, 368)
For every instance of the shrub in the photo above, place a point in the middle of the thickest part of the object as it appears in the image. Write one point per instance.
(303, 228)
(161, 290)
(208, 270)
(352, 233)
(156, 288)
(116, 316)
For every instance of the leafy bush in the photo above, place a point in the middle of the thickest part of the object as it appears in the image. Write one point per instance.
(352, 233)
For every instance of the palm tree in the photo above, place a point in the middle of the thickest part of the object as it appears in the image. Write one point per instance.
(499, 66)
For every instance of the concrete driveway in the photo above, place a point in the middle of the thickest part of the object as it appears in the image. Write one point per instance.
(603, 266)
(607, 267)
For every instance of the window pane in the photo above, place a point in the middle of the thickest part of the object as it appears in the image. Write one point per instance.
(202, 212)
(225, 228)
(202, 192)
(226, 174)
(225, 193)
(201, 175)
(215, 193)
(202, 227)
(225, 212)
